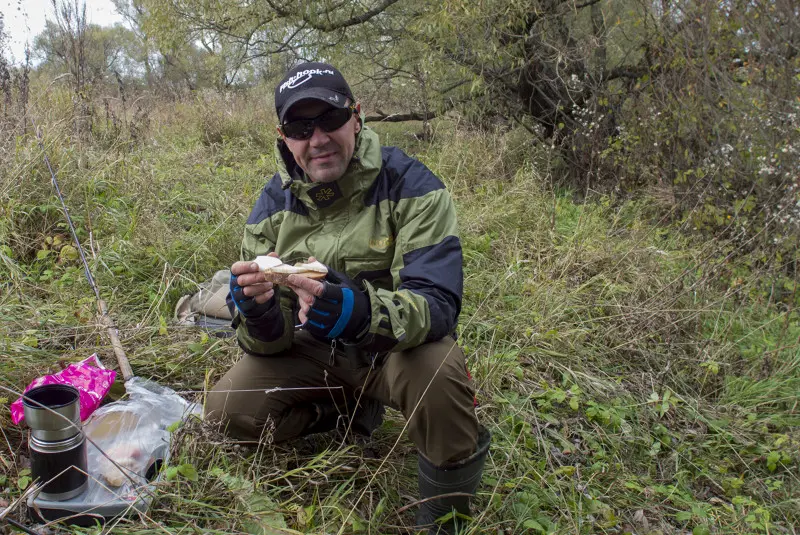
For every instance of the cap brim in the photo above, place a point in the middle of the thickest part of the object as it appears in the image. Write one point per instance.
(332, 98)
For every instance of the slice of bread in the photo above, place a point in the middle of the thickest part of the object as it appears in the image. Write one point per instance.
(277, 272)
(277, 277)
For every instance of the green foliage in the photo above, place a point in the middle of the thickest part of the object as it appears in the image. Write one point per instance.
(635, 377)
(107, 49)
(691, 105)
(716, 132)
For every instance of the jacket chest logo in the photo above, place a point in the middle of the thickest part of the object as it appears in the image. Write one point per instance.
(381, 243)
(325, 195)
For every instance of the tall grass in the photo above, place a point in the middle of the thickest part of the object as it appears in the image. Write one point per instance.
(636, 378)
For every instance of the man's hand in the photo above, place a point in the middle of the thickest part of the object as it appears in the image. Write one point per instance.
(334, 308)
(250, 292)
(307, 290)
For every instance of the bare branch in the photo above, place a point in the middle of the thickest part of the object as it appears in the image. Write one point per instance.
(453, 86)
(632, 72)
(330, 25)
(586, 4)
(400, 117)
(353, 21)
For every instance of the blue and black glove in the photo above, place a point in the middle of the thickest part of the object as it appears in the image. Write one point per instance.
(247, 305)
(342, 311)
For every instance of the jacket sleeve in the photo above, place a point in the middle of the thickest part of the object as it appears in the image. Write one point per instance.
(273, 332)
(427, 272)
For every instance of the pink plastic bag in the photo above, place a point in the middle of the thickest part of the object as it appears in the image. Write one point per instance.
(91, 379)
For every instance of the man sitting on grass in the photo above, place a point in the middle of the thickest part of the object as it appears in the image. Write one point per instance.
(379, 328)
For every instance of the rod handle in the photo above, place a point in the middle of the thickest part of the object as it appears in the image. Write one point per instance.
(108, 323)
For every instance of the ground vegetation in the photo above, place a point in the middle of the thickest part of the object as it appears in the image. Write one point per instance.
(626, 182)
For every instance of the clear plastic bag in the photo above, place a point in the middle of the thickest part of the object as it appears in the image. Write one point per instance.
(134, 433)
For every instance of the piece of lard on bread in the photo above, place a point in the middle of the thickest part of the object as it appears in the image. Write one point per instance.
(277, 272)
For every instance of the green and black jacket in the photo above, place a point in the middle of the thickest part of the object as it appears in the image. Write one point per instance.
(388, 223)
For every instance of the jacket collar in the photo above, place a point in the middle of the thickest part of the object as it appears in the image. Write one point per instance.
(359, 176)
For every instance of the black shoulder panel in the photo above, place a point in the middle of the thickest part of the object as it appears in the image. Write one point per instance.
(275, 199)
(401, 177)
(436, 273)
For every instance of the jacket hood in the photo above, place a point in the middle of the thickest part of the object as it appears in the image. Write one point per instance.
(359, 176)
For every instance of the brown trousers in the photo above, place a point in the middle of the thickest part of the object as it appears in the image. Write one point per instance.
(429, 384)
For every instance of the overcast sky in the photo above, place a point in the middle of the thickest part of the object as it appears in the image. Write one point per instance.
(24, 19)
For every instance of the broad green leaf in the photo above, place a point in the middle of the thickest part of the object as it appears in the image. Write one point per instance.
(188, 471)
(196, 348)
(773, 458)
(264, 516)
(68, 254)
(533, 524)
(174, 426)
(171, 473)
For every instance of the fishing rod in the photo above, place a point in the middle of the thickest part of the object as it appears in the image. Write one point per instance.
(102, 308)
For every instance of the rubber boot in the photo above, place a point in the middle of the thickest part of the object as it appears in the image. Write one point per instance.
(460, 477)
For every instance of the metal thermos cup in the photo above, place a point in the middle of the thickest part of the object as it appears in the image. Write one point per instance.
(57, 443)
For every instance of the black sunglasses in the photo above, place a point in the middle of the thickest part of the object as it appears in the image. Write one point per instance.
(329, 121)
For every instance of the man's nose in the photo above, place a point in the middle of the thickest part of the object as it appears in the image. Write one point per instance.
(319, 137)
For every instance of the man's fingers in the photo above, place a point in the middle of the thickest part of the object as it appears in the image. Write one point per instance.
(263, 298)
(305, 299)
(273, 254)
(303, 296)
(254, 290)
(242, 267)
(298, 282)
(249, 279)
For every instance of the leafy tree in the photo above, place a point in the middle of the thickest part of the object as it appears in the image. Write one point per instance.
(5, 74)
(273, 34)
(693, 100)
(535, 61)
(715, 120)
(89, 55)
(14, 91)
(142, 49)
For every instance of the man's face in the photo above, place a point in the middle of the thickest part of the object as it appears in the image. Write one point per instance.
(325, 155)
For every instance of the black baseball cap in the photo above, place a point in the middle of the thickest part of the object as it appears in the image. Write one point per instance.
(320, 81)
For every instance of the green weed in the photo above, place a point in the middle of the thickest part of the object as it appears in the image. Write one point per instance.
(635, 379)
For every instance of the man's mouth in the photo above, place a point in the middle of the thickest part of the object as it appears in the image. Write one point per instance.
(323, 157)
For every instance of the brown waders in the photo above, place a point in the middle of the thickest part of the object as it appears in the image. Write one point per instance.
(429, 384)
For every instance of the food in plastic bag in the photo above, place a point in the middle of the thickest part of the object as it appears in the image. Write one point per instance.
(128, 457)
(133, 433)
(89, 376)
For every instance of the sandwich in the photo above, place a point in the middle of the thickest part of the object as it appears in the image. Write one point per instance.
(277, 272)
